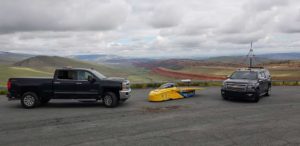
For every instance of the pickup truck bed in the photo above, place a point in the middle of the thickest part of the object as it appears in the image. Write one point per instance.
(41, 86)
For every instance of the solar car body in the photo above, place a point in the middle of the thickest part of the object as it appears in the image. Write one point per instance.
(169, 91)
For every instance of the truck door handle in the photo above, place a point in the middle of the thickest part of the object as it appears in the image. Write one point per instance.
(78, 83)
(56, 82)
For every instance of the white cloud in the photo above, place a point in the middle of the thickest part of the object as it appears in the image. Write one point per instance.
(61, 15)
(149, 28)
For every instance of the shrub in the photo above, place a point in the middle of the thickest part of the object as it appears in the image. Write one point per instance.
(3, 92)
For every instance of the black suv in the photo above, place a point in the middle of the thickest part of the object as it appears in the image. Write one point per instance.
(247, 83)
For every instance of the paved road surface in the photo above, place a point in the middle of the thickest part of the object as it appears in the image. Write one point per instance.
(202, 120)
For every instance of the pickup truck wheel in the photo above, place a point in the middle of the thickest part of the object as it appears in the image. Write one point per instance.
(29, 100)
(110, 99)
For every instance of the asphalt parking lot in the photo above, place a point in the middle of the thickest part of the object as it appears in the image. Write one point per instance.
(202, 120)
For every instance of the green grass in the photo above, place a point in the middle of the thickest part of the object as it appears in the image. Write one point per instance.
(285, 74)
(142, 75)
(50, 63)
(3, 92)
(9, 72)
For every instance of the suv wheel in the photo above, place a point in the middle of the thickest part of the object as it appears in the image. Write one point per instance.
(256, 97)
(225, 97)
(29, 100)
(268, 92)
(110, 99)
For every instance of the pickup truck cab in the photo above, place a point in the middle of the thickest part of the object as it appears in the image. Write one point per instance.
(247, 83)
(69, 83)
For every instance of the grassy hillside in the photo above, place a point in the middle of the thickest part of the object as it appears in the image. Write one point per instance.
(50, 63)
(7, 71)
(44, 66)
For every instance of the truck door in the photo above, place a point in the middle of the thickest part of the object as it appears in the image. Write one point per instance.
(65, 84)
(87, 88)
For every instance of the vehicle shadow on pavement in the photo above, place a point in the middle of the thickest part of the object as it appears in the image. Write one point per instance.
(73, 105)
(170, 100)
(243, 100)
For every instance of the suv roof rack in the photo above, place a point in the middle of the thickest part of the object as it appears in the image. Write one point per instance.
(67, 67)
(257, 67)
(251, 69)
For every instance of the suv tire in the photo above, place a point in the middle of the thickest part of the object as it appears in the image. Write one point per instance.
(256, 97)
(225, 97)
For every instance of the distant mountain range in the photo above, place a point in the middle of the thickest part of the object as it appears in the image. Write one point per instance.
(259, 58)
(8, 57)
(281, 56)
(50, 63)
(96, 57)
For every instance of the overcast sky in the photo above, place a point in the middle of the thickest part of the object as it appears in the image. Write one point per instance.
(152, 28)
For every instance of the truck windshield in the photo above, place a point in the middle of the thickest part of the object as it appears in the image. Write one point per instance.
(247, 75)
(99, 75)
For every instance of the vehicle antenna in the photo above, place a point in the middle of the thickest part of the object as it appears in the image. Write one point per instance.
(251, 56)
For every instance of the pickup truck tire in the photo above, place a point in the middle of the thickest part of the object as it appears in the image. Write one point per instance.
(110, 99)
(30, 100)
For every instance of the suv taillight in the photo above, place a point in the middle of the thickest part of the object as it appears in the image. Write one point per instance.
(8, 85)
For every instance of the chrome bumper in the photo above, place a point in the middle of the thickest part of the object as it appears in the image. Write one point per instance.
(125, 94)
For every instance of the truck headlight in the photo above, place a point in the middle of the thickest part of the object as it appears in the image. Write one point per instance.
(125, 85)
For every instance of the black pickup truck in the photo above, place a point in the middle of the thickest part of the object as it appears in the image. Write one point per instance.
(69, 83)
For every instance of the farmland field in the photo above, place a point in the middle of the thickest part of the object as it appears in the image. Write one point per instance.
(147, 72)
(289, 71)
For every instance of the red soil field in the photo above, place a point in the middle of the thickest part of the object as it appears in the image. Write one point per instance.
(182, 75)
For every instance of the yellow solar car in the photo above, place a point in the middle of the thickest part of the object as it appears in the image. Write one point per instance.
(169, 91)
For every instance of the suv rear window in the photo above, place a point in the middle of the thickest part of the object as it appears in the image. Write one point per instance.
(247, 75)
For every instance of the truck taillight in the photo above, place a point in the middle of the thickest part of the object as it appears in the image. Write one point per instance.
(8, 85)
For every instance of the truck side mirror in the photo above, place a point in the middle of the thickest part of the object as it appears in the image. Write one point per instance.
(228, 76)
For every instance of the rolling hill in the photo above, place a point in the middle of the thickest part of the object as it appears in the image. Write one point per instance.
(50, 63)
(43, 66)
(10, 58)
